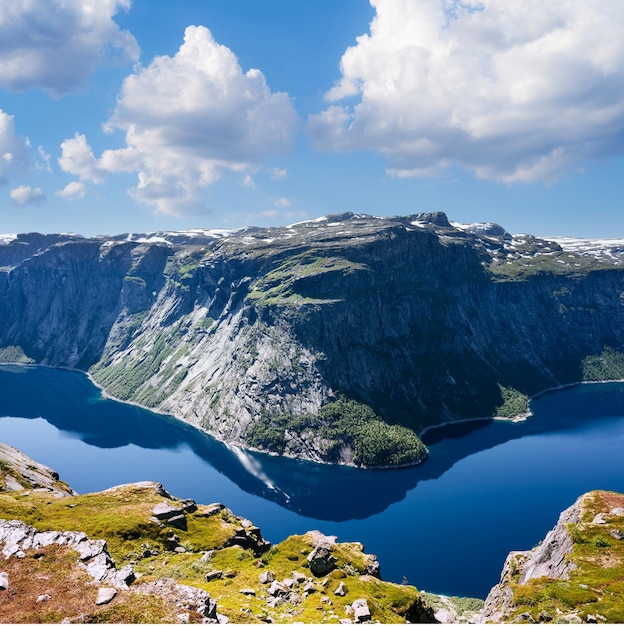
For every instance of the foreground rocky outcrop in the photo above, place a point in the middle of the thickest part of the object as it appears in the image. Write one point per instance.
(573, 576)
(334, 340)
(136, 554)
(18, 472)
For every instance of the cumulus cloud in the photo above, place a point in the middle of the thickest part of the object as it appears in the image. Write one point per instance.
(514, 91)
(77, 158)
(72, 191)
(13, 149)
(56, 44)
(27, 195)
(187, 118)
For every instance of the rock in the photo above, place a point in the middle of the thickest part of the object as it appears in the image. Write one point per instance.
(544, 616)
(299, 577)
(616, 533)
(184, 618)
(177, 521)
(266, 577)
(170, 514)
(105, 595)
(599, 519)
(207, 556)
(4, 581)
(372, 567)
(277, 589)
(213, 575)
(309, 587)
(189, 505)
(618, 510)
(248, 592)
(186, 597)
(526, 617)
(179, 550)
(249, 539)
(341, 589)
(44, 597)
(288, 582)
(321, 561)
(361, 612)
(445, 616)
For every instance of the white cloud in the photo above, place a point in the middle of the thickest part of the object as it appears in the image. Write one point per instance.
(282, 203)
(78, 159)
(72, 191)
(191, 116)
(511, 90)
(27, 195)
(56, 44)
(43, 162)
(248, 181)
(13, 149)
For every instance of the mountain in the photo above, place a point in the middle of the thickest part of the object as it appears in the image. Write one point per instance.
(336, 339)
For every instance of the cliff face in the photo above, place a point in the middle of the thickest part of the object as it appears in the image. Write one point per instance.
(249, 334)
(573, 576)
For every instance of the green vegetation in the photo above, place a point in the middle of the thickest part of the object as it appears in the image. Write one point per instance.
(279, 286)
(596, 587)
(349, 428)
(123, 518)
(127, 379)
(14, 354)
(609, 365)
(514, 402)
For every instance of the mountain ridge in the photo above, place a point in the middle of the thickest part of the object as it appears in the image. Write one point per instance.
(324, 339)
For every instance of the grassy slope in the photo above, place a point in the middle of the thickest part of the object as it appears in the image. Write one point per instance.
(597, 586)
(122, 517)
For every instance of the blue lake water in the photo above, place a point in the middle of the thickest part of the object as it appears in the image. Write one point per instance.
(446, 526)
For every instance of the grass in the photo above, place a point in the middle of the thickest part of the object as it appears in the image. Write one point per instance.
(122, 518)
(597, 586)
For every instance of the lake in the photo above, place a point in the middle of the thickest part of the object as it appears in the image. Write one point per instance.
(446, 526)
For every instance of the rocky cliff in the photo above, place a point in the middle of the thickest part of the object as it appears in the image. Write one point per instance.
(574, 576)
(334, 340)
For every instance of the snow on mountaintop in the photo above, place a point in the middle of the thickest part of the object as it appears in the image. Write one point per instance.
(603, 249)
(7, 238)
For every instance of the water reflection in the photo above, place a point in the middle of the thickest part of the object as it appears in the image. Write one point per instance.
(69, 401)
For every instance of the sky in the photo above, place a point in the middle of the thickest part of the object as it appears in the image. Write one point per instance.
(144, 115)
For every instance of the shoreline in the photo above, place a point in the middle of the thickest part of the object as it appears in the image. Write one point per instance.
(520, 417)
(524, 416)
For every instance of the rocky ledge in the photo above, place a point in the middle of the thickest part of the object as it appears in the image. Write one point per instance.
(135, 553)
(573, 575)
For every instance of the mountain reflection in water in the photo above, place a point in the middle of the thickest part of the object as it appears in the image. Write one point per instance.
(497, 485)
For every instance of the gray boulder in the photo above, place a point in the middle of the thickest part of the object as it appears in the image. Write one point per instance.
(321, 560)
(361, 612)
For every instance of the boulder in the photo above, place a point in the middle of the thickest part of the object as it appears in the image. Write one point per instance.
(616, 533)
(4, 581)
(341, 589)
(361, 612)
(321, 561)
(266, 577)
(105, 595)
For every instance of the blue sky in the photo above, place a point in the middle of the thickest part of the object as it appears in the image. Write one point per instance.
(142, 115)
